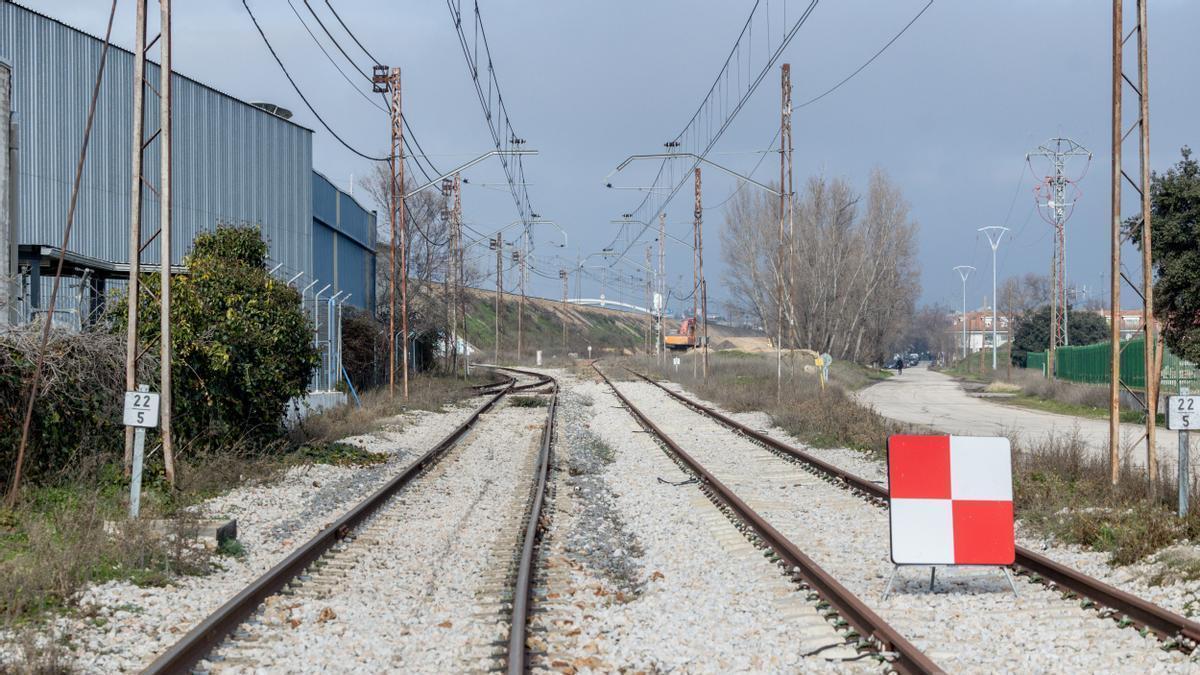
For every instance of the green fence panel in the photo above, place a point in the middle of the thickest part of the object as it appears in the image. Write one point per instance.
(1036, 361)
(1090, 364)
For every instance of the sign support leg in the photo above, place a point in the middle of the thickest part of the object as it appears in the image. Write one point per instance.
(932, 576)
(135, 480)
(1008, 575)
(1184, 481)
(887, 590)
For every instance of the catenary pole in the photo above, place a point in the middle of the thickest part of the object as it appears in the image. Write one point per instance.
(164, 263)
(699, 216)
(1114, 379)
(135, 219)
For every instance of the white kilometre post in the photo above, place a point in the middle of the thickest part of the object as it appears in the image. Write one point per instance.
(141, 412)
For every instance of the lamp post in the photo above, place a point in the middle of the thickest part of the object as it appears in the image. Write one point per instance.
(964, 271)
(994, 234)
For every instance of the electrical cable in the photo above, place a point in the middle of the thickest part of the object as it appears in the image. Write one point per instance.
(869, 61)
(330, 58)
(300, 93)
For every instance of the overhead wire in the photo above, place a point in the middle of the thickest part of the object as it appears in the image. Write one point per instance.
(300, 92)
(868, 61)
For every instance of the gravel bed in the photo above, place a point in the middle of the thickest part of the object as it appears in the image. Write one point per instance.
(121, 627)
(970, 623)
(646, 576)
(1177, 595)
(406, 593)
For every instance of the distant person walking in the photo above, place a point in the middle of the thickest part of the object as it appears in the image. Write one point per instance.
(900, 366)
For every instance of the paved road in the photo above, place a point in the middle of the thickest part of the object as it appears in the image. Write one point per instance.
(922, 396)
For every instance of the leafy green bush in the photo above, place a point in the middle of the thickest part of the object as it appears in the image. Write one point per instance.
(242, 343)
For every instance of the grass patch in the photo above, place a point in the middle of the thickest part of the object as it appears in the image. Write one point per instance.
(527, 402)
(337, 454)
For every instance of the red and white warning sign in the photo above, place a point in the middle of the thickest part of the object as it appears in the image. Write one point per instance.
(951, 500)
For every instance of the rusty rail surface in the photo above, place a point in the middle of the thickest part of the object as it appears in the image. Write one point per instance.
(523, 588)
(210, 632)
(907, 658)
(1143, 614)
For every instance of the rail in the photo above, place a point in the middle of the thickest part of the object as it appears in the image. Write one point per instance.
(906, 657)
(1143, 614)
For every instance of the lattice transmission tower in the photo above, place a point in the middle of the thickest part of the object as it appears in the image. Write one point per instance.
(1057, 195)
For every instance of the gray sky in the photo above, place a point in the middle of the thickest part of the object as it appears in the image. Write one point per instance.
(949, 110)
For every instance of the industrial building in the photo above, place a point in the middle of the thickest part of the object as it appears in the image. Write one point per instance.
(233, 162)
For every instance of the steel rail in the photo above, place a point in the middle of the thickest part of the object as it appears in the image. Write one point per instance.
(907, 658)
(523, 589)
(1143, 614)
(210, 632)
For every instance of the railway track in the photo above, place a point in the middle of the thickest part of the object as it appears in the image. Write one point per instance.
(1172, 630)
(254, 623)
(859, 624)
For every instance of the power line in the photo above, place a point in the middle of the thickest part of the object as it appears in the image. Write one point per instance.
(869, 61)
(300, 93)
(408, 128)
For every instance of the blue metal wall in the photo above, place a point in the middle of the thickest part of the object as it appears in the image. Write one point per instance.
(232, 161)
(343, 243)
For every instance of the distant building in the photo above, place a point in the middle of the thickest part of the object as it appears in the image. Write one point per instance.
(234, 162)
(979, 330)
(1131, 321)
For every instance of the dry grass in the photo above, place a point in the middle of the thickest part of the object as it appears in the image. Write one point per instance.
(824, 418)
(59, 539)
(1062, 489)
(1033, 383)
(425, 392)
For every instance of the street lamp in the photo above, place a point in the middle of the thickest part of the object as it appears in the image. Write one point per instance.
(964, 271)
(994, 234)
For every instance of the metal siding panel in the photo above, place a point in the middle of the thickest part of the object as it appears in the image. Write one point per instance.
(353, 265)
(323, 253)
(233, 163)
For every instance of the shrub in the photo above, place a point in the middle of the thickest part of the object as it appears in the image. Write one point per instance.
(77, 414)
(242, 343)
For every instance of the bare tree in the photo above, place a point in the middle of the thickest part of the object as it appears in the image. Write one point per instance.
(847, 280)
(427, 247)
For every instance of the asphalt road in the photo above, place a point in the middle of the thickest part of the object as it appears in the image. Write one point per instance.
(922, 396)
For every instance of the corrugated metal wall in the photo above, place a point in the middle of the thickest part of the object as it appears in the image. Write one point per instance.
(343, 243)
(8, 251)
(233, 162)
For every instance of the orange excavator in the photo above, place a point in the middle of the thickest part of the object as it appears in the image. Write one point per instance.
(685, 338)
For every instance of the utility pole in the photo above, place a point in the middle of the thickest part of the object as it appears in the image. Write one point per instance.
(994, 234)
(964, 271)
(1142, 186)
(133, 351)
(497, 245)
(459, 268)
(562, 274)
(1053, 190)
(660, 286)
(785, 160)
(448, 342)
(518, 257)
(385, 81)
(164, 263)
(649, 301)
(699, 222)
